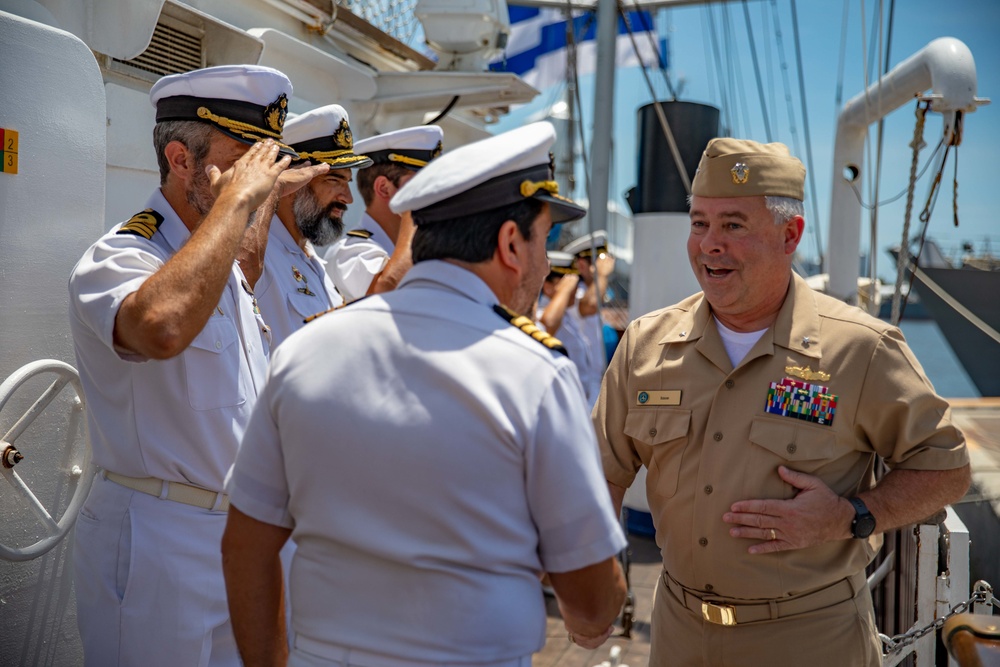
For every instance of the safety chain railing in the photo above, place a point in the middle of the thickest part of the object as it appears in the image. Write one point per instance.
(982, 595)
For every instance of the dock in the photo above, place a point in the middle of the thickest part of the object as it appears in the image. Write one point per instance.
(979, 419)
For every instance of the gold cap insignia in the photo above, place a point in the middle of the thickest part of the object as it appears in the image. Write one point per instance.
(740, 172)
(437, 151)
(807, 373)
(343, 137)
(275, 113)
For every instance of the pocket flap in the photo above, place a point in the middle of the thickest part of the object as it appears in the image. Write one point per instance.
(792, 441)
(218, 334)
(657, 425)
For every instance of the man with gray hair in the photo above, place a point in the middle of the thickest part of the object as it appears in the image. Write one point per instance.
(759, 408)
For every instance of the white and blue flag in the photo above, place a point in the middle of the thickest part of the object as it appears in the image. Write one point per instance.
(536, 49)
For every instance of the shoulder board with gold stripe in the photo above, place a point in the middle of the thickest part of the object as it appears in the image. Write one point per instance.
(143, 224)
(330, 310)
(527, 326)
(360, 233)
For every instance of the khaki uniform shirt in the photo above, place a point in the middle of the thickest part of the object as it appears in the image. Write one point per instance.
(716, 444)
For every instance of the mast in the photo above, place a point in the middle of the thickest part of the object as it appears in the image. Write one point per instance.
(604, 88)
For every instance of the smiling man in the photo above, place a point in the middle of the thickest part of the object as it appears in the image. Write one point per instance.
(294, 284)
(760, 408)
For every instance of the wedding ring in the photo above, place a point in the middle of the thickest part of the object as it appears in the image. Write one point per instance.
(774, 535)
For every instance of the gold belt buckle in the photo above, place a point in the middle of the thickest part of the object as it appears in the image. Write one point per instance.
(720, 614)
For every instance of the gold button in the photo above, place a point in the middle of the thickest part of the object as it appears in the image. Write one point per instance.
(791, 448)
(717, 436)
(708, 489)
(703, 542)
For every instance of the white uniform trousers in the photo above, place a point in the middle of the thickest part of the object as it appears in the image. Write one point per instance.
(149, 585)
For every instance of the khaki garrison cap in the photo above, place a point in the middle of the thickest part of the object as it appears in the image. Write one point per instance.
(744, 168)
(247, 102)
(489, 174)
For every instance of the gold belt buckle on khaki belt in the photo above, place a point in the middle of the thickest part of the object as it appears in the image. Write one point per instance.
(718, 613)
(178, 492)
(722, 613)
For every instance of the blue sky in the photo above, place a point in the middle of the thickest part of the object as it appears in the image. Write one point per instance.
(917, 22)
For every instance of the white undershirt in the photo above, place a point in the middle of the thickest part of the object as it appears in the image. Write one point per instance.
(737, 343)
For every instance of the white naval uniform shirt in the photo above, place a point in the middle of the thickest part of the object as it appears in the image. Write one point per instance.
(178, 419)
(425, 500)
(294, 284)
(353, 261)
(570, 336)
(592, 332)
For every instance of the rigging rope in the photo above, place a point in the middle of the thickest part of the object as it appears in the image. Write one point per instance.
(811, 172)
(902, 259)
(660, 116)
(756, 70)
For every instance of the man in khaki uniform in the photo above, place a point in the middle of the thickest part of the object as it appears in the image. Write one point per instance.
(759, 408)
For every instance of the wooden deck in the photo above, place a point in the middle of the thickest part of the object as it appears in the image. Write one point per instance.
(979, 419)
(644, 570)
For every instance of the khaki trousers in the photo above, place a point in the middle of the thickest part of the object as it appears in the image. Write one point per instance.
(841, 635)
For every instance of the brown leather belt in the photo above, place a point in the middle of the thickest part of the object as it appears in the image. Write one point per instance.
(178, 492)
(721, 612)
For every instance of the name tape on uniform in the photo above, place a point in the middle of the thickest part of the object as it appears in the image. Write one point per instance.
(669, 397)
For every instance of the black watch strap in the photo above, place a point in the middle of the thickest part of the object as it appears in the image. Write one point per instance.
(863, 524)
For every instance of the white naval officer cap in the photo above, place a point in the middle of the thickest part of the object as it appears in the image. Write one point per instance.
(561, 263)
(246, 102)
(485, 175)
(582, 247)
(411, 147)
(324, 135)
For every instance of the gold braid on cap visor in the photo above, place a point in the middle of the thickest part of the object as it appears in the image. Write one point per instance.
(529, 188)
(412, 161)
(245, 130)
(332, 157)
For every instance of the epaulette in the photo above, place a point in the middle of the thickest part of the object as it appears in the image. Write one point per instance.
(143, 224)
(360, 233)
(527, 326)
(330, 310)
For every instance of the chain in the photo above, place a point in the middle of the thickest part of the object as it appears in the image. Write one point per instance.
(982, 595)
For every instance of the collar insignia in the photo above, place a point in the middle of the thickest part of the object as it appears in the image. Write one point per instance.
(740, 172)
(275, 113)
(806, 373)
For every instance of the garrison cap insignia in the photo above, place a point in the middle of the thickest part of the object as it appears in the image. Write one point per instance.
(276, 112)
(807, 373)
(528, 327)
(740, 172)
(143, 224)
(360, 233)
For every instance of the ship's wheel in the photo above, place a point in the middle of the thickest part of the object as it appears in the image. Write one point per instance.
(22, 458)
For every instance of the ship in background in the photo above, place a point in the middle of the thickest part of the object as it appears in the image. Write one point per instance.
(963, 298)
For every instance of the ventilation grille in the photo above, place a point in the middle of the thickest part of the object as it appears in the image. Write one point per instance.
(175, 47)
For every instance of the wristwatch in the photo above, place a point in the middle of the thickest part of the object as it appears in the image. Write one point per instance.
(863, 524)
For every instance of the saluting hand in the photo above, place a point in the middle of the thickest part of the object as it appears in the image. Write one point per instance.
(253, 176)
(298, 177)
(814, 516)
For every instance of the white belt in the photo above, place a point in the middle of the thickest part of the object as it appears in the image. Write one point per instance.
(356, 658)
(175, 491)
